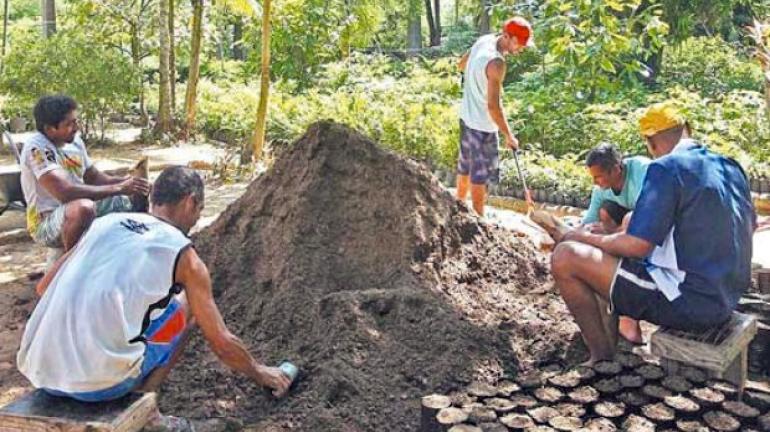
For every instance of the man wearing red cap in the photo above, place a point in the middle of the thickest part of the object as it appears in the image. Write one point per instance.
(481, 113)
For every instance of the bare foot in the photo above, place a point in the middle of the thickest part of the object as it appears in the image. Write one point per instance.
(592, 361)
(631, 331)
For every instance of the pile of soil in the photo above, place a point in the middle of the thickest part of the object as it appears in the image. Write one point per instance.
(358, 266)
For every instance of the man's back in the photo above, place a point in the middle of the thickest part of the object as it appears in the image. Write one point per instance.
(473, 110)
(696, 207)
(79, 338)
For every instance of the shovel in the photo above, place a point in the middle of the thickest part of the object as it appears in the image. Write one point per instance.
(527, 196)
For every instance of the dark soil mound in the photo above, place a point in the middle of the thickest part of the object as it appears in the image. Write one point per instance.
(358, 266)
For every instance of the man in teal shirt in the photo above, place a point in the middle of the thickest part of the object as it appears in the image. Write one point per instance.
(618, 184)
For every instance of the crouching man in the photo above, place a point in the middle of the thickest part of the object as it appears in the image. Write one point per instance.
(118, 308)
(685, 259)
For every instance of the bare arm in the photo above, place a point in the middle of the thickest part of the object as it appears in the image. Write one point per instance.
(60, 187)
(495, 75)
(194, 276)
(620, 244)
(463, 61)
(94, 176)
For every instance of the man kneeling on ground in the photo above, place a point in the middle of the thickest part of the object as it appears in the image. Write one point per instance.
(64, 191)
(117, 310)
(685, 259)
(617, 185)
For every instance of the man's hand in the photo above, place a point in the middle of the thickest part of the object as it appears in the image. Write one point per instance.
(135, 186)
(595, 228)
(274, 379)
(511, 142)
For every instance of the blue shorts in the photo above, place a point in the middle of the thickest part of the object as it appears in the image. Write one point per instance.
(635, 294)
(478, 155)
(161, 339)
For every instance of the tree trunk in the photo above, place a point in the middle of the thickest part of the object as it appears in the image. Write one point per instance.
(431, 23)
(48, 17)
(457, 12)
(437, 20)
(5, 32)
(258, 140)
(195, 55)
(414, 31)
(238, 51)
(164, 123)
(172, 55)
(136, 59)
(484, 17)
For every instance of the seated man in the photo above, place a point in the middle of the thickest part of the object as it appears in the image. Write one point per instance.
(618, 183)
(685, 259)
(117, 310)
(63, 189)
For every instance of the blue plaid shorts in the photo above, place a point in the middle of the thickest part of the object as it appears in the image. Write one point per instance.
(478, 155)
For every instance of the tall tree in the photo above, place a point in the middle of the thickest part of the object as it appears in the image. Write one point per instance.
(195, 56)
(414, 29)
(5, 26)
(433, 13)
(437, 20)
(431, 24)
(172, 54)
(165, 122)
(48, 17)
(483, 19)
(258, 139)
(238, 51)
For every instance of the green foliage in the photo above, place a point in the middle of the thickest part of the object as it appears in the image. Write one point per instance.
(710, 66)
(707, 17)
(309, 33)
(414, 116)
(596, 45)
(101, 80)
(23, 9)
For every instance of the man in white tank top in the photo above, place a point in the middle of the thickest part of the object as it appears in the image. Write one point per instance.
(116, 310)
(481, 112)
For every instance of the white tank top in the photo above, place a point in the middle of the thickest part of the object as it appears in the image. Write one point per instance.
(474, 111)
(78, 338)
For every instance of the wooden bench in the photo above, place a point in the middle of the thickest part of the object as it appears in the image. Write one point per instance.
(722, 350)
(40, 412)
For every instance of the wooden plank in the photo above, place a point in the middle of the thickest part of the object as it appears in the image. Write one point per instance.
(39, 412)
(686, 348)
(134, 419)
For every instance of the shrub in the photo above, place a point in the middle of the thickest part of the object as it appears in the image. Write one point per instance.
(709, 65)
(100, 79)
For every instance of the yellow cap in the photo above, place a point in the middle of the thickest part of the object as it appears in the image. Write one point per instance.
(660, 117)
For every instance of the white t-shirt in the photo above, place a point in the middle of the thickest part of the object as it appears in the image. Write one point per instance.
(474, 111)
(40, 156)
(78, 337)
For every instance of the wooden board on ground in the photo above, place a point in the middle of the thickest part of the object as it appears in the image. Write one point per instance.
(41, 412)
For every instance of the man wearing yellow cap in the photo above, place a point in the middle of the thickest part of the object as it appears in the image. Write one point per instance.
(481, 113)
(685, 259)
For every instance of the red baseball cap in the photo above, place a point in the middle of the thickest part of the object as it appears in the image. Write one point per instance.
(521, 29)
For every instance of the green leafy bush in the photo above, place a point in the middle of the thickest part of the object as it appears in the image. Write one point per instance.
(100, 79)
(709, 65)
(415, 116)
